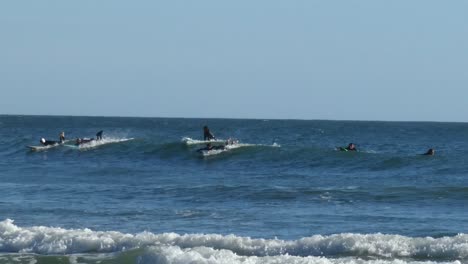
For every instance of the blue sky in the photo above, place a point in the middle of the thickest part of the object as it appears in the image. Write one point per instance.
(346, 60)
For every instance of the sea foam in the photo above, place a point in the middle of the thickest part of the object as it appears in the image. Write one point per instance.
(213, 248)
(104, 141)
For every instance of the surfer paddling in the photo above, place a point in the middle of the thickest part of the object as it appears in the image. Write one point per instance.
(350, 147)
(430, 152)
(45, 142)
(80, 141)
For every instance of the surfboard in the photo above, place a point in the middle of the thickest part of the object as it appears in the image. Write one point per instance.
(226, 148)
(38, 148)
(42, 147)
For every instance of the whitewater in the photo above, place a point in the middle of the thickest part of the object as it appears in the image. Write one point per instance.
(211, 248)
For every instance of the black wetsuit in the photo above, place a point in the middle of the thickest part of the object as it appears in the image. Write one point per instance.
(207, 135)
(99, 135)
(429, 153)
(49, 142)
(80, 141)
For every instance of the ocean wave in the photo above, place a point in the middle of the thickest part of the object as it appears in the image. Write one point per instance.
(215, 248)
(234, 146)
(177, 255)
(97, 143)
(189, 141)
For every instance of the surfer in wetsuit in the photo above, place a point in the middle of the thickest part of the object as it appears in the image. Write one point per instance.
(48, 142)
(62, 137)
(80, 141)
(350, 147)
(99, 135)
(430, 152)
(207, 135)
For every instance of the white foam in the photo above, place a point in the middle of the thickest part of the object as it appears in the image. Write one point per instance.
(212, 152)
(229, 147)
(214, 248)
(190, 141)
(205, 255)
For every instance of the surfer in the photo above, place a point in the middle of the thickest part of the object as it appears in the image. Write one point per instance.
(99, 135)
(207, 135)
(350, 147)
(80, 141)
(48, 142)
(430, 152)
(45, 142)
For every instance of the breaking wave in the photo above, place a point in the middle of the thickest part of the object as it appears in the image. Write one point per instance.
(147, 247)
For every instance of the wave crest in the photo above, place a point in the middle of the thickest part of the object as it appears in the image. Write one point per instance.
(52, 240)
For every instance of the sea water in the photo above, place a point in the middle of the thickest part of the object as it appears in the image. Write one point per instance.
(284, 194)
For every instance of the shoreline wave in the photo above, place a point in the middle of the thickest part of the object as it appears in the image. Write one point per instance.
(44, 240)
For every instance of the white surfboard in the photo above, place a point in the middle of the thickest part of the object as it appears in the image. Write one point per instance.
(39, 148)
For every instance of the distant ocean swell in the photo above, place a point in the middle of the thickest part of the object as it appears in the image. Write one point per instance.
(306, 155)
(178, 147)
(294, 156)
(147, 247)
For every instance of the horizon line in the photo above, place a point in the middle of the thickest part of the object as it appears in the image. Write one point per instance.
(235, 118)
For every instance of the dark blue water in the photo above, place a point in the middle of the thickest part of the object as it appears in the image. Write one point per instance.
(287, 183)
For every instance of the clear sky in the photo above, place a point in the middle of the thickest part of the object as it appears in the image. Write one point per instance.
(305, 59)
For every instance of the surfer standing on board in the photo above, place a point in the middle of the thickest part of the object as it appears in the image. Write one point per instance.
(207, 135)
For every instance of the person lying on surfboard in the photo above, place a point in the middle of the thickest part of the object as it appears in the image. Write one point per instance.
(350, 147)
(430, 152)
(207, 135)
(45, 142)
(80, 141)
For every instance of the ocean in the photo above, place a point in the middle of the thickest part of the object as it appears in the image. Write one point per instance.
(284, 194)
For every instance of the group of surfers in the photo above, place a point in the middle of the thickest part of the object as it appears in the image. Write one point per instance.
(78, 141)
(207, 135)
